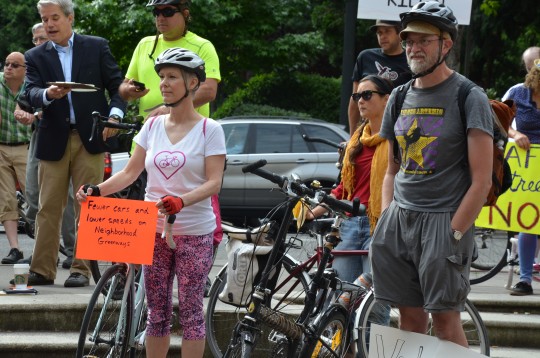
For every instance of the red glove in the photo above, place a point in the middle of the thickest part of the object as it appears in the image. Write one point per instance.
(173, 204)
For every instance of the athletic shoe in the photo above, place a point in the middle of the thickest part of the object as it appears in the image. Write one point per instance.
(522, 288)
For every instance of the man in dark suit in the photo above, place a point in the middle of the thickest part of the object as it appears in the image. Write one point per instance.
(63, 144)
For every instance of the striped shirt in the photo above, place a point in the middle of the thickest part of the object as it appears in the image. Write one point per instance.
(11, 131)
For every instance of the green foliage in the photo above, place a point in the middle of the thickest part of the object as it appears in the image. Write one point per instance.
(122, 22)
(316, 96)
(288, 37)
(16, 21)
(500, 31)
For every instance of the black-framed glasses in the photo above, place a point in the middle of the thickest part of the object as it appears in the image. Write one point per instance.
(366, 95)
(36, 40)
(166, 12)
(13, 65)
(422, 43)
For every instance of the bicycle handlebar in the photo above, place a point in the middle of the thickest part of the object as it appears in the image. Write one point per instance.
(100, 120)
(354, 208)
(255, 169)
(323, 140)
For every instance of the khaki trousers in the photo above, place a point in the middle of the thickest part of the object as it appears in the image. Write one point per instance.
(12, 169)
(80, 167)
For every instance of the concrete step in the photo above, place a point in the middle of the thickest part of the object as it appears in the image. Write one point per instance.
(48, 344)
(518, 328)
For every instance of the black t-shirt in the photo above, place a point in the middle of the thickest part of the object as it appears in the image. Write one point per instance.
(374, 62)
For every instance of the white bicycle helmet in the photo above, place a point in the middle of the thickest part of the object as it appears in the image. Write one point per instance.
(182, 58)
(434, 13)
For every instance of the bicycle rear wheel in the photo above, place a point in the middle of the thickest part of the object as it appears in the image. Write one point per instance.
(492, 248)
(375, 312)
(221, 318)
(98, 334)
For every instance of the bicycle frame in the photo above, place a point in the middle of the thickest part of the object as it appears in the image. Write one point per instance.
(257, 309)
(246, 332)
(137, 339)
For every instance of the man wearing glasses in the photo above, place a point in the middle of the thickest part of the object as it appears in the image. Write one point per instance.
(39, 36)
(172, 18)
(15, 135)
(388, 61)
(423, 243)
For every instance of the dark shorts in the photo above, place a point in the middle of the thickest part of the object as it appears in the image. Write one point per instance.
(416, 261)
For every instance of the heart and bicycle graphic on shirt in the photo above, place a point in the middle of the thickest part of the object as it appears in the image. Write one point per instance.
(169, 163)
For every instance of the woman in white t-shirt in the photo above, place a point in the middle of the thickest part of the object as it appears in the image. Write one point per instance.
(184, 155)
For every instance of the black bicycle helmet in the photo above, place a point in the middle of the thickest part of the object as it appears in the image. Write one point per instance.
(167, 2)
(434, 13)
(185, 59)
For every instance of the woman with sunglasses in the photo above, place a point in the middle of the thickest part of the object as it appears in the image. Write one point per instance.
(364, 165)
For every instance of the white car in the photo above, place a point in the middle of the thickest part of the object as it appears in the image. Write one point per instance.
(280, 141)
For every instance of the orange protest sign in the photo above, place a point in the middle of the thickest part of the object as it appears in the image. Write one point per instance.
(118, 230)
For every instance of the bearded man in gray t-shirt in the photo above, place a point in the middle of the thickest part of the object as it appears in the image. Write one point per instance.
(423, 243)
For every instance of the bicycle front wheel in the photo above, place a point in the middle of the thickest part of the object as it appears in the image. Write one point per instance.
(373, 312)
(221, 318)
(104, 329)
(493, 246)
(330, 339)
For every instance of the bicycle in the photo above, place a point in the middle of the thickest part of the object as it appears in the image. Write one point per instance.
(493, 247)
(114, 323)
(270, 310)
(330, 323)
(373, 312)
(136, 190)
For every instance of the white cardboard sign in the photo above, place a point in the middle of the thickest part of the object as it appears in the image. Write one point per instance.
(387, 342)
(390, 9)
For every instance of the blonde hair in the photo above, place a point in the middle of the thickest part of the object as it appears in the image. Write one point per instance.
(532, 80)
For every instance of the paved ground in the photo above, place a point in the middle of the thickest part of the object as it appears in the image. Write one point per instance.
(490, 290)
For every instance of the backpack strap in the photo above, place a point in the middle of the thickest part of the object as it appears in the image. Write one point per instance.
(401, 92)
(463, 92)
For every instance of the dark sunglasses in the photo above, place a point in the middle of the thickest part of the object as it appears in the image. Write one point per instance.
(366, 95)
(166, 12)
(13, 65)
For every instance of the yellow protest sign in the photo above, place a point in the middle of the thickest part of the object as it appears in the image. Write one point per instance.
(519, 208)
(117, 230)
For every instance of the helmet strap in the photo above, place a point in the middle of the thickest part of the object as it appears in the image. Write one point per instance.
(174, 104)
(156, 39)
(439, 61)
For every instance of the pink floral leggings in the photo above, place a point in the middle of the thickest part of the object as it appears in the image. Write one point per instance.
(190, 262)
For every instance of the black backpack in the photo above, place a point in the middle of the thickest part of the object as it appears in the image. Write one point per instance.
(501, 174)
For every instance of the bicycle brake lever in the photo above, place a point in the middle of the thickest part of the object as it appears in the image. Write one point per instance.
(95, 119)
(167, 231)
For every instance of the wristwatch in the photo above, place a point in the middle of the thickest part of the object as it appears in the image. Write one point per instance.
(117, 117)
(457, 234)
